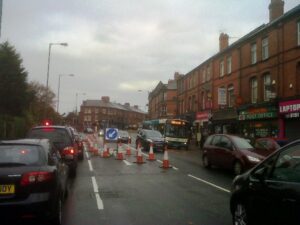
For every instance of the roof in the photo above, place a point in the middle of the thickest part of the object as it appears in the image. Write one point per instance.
(251, 34)
(26, 141)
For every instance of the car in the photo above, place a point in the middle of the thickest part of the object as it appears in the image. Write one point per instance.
(147, 137)
(80, 146)
(229, 152)
(124, 137)
(265, 146)
(62, 139)
(33, 180)
(269, 193)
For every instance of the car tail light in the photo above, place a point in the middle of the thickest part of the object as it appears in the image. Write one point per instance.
(68, 151)
(36, 177)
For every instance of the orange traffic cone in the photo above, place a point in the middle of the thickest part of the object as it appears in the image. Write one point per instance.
(128, 150)
(106, 152)
(139, 158)
(120, 152)
(151, 156)
(166, 163)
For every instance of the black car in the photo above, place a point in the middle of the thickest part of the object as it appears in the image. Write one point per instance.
(124, 137)
(33, 181)
(147, 137)
(270, 192)
(62, 139)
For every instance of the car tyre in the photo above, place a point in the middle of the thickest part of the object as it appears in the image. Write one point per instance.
(240, 215)
(237, 168)
(205, 162)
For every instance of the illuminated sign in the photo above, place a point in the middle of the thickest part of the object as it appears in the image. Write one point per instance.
(175, 122)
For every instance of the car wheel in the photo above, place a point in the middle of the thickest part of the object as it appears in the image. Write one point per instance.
(237, 168)
(205, 162)
(240, 215)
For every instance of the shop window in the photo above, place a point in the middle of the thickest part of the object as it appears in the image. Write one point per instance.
(230, 91)
(265, 48)
(254, 90)
(253, 53)
(267, 87)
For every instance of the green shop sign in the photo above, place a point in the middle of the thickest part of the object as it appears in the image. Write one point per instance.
(258, 113)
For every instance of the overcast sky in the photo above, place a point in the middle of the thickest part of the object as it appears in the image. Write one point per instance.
(117, 47)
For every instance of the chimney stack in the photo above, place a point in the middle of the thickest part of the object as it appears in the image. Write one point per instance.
(105, 99)
(276, 9)
(223, 41)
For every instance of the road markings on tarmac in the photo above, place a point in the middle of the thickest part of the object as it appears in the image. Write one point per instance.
(211, 184)
(127, 163)
(90, 165)
(96, 190)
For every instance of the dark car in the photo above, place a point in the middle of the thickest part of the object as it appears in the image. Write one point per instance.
(62, 139)
(33, 180)
(265, 146)
(146, 137)
(269, 194)
(230, 152)
(124, 137)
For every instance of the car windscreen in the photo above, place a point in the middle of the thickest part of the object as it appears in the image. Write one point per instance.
(153, 134)
(19, 155)
(123, 133)
(59, 137)
(241, 143)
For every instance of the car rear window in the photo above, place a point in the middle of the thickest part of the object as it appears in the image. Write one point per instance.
(59, 137)
(241, 143)
(21, 155)
(153, 134)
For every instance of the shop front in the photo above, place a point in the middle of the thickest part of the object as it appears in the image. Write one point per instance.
(225, 121)
(255, 122)
(290, 119)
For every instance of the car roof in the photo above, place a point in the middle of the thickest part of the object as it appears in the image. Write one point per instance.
(26, 141)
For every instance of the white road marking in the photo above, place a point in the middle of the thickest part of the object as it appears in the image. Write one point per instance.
(127, 163)
(175, 168)
(159, 161)
(211, 184)
(99, 202)
(90, 165)
(98, 199)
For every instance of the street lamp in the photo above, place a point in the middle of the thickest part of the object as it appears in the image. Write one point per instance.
(76, 100)
(61, 75)
(48, 69)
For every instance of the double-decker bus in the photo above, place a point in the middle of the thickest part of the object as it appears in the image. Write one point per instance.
(175, 131)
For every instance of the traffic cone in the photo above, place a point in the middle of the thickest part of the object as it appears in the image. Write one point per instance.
(139, 147)
(120, 152)
(128, 150)
(106, 152)
(139, 158)
(151, 156)
(166, 164)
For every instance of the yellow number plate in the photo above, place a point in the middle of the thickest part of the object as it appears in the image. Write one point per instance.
(7, 189)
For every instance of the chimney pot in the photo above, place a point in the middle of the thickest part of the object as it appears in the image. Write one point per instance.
(223, 41)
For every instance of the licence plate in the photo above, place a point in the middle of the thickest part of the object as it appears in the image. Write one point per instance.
(7, 189)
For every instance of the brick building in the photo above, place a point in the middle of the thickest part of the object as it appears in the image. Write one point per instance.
(103, 113)
(251, 87)
(163, 99)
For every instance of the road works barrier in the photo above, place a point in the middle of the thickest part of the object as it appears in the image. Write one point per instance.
(151, 156)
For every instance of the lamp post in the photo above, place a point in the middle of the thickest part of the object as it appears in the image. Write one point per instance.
(48, 69)
(77, 99)
(58, 91)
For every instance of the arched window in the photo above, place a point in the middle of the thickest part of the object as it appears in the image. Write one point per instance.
(254, 90)
(230, 92)
(267, 86)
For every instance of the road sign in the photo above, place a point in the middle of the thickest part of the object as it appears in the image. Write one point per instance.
(111, 134)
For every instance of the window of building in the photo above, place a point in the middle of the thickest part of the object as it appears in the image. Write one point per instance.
(267, 87)
(253, 53)
(87, 110)
(208, 73)
(229, 59)
(104, 111)
(231, 99)
(298, 33)
(203, 101)
(254, 90)
(222, 68)
(265, 48)
(203, 76)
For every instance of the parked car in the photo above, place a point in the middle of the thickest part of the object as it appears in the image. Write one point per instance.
(146, 137)
(265, 146)
(229, 152)
(269, 193)
(62, 139)
(33, 180)
(124, 137)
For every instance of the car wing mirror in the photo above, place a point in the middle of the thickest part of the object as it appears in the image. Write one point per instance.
(259, 174)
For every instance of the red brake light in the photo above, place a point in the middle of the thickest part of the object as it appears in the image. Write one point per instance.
(36, 177)
(68, 151)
